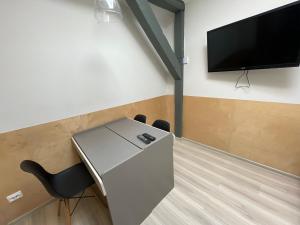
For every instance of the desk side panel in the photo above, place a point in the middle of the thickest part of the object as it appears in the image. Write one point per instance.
(135, 187)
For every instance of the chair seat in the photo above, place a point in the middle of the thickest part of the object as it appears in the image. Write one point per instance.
(72, 181)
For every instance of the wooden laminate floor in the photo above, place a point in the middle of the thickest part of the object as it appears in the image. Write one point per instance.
(211, 188)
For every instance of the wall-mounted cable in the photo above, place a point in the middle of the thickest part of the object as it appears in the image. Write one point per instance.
(244, 74)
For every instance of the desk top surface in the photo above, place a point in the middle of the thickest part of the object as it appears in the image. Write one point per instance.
(105, 149)
(112, 144)
(130, 129)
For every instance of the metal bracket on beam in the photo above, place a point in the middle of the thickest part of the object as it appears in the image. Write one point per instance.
(171, 5)
(144, 14)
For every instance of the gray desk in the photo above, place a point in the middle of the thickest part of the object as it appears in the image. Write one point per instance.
(133, 176)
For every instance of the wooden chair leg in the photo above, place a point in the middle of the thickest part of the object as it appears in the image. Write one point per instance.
(59, 207)
(67, 211)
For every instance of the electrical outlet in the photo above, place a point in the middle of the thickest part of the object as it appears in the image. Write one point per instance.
(15, 196)
(185, 60)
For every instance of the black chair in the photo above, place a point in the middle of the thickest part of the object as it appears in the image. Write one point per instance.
(141, 118)
(162, 124)
(64, 185)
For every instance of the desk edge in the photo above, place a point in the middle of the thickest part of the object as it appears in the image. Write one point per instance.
(90, 167)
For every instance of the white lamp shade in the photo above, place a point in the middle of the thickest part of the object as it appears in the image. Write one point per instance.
(108, 11)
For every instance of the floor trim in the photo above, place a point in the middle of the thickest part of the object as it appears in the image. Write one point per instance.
(244, 159)
(31, 211)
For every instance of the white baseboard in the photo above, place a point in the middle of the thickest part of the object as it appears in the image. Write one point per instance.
(244, 159)
(31, 211)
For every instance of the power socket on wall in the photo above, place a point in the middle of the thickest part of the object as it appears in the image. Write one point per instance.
(185, 60)
(15, 196)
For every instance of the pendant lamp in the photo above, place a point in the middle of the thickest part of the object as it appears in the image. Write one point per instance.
(108, 11)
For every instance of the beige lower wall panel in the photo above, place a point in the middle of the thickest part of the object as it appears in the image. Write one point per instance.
(264, 132)
(268, 133)
(170, 110)
(50, 145)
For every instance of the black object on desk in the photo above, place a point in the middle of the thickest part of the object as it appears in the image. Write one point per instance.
(144, 139)
(149, 137)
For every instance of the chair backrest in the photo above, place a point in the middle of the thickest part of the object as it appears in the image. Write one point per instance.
(41, 174)
(141, 118)
(162, 124)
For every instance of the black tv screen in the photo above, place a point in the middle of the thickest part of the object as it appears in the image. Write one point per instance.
(268, 40)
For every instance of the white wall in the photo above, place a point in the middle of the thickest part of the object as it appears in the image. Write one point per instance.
(57, 62)
(276, 85)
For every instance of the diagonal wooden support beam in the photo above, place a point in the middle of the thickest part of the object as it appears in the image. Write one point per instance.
(146, 18)
(171, 5)
(144, 14)
(179, 51)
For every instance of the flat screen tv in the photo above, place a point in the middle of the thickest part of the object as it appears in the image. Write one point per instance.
(268, 40)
